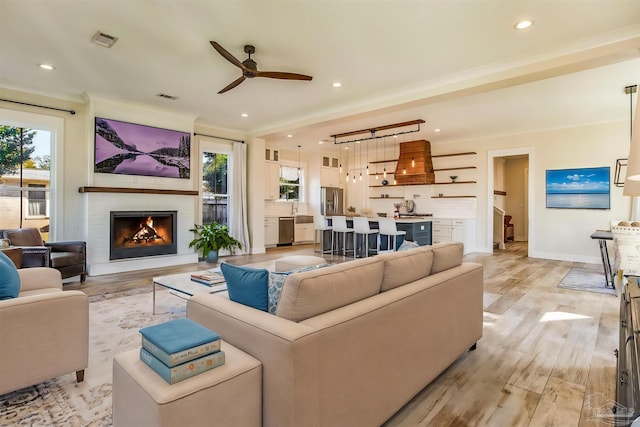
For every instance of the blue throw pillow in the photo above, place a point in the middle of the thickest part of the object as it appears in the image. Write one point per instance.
(247, 285)
(9, 278)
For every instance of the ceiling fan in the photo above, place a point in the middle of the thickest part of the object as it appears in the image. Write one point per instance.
(249, 68)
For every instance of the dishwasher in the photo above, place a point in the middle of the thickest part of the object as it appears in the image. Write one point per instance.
(285, 230)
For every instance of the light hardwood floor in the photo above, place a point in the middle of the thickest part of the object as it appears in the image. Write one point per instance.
(546, 357)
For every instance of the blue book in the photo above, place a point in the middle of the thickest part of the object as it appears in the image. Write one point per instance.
(186, 370)
(178, 341)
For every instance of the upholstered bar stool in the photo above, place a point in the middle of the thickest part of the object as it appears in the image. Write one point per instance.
(387, 227)
(320, 225)
(361, 227)
(339, 226)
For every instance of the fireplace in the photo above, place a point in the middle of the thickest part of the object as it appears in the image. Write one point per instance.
(142, 233)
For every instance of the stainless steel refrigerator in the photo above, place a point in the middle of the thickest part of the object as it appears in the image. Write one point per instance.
(332, 201)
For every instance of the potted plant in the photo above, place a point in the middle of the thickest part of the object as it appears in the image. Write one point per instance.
(212, 237)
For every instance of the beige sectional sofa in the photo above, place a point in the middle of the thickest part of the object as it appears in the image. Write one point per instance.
(352, 343)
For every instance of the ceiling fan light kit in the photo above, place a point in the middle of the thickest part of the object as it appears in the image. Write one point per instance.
(249, 68)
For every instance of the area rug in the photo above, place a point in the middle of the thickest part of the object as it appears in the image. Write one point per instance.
(114, 321)
(586, 278)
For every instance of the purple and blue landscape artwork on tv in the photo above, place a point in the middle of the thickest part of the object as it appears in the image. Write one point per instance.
(130, 149)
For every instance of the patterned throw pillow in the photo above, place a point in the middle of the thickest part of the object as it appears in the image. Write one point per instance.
(276, 281)
(407, 244)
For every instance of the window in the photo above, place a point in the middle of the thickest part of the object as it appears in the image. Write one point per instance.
(25, 174)
(215, 188)
(290, 183)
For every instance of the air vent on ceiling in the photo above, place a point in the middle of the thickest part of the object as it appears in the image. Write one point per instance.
(164, 95)
(103, 39)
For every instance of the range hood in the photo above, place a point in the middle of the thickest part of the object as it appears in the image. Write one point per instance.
(414, 163)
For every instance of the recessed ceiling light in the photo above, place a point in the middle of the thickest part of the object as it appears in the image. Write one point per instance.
(346, 148)
(522, 25)
(395, 136)
(244, 115)
(320, 142)
(436, 130)
(336, 84)
(46, 67)
(289, 136)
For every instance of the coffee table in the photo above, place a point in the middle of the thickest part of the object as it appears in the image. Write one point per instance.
(184, 286)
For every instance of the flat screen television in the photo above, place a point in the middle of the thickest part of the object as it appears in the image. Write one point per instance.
(583, 188)
(132, 149)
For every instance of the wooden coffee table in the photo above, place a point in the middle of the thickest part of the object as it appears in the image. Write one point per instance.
(183, 287)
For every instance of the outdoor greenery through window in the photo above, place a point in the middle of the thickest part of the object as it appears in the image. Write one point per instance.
(290, 183)
(25, 162)
(215, 191)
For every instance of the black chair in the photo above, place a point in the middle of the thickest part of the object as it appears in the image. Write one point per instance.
(70, 258)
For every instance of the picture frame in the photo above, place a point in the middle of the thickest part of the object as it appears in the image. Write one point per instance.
(621, 172)
(134, 149)
(578, 188)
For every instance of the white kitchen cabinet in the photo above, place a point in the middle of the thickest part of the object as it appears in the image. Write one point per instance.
(270, 231)
(330, 177)
(452, 230)
(272, 181)
(304, 233)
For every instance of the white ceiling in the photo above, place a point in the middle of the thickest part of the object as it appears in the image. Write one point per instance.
(459, 65)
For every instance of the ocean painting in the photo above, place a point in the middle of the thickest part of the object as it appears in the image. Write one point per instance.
(131, 149)
(584, 188)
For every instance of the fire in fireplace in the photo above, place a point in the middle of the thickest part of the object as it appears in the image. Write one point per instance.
(143, 233)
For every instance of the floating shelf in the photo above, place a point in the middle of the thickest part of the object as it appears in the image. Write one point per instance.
(454, 169)
(382, 173)
(452, 197)
(468, 153)
(383, 161)
(385, 198)
(456, 182)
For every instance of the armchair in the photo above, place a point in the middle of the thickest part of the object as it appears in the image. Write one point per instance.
(45, 331)
(70, 258)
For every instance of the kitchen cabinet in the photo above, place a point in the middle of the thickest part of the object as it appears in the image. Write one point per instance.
(452, 230)
(304, 233)
(271, 154)
(272, 181)
(330, 177)
(270, 231)
(419, 232)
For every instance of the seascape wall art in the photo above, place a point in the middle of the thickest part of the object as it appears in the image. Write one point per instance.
(583, 188)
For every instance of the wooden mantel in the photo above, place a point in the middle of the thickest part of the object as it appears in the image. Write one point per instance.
(137, 191)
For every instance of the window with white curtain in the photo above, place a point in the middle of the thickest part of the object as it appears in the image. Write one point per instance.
(291, 183)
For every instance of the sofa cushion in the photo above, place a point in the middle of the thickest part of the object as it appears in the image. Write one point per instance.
(276, 281)
(9, 278)
(246, 285)
(315, 292)
(407, 266)
(446, 256)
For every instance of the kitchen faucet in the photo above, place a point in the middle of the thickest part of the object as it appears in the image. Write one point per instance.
(294, 207)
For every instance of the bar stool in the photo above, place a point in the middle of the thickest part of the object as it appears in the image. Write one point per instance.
(320, 225)
(361, 227)
(339, 225)
(387, 227)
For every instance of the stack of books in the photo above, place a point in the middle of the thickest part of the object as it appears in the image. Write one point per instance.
(179, 349)
(209, 278)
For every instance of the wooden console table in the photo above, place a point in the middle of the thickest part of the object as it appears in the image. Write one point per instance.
(14, 254)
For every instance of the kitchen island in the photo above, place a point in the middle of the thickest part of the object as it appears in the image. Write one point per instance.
(418, 230)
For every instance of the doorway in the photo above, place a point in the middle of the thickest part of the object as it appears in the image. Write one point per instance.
(510, 196)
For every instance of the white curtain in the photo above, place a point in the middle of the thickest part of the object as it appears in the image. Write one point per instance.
(239, 228)
(288, 173)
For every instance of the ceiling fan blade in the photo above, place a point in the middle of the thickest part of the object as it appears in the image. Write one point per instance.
(233, 84)
(222, 51)
(280, 75)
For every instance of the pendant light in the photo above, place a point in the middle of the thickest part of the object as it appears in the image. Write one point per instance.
(299, 170)
(360, 162)
(384, 158)
(376, 173)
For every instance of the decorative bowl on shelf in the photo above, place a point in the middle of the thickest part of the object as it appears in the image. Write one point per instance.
(453, 178)
(385, 182)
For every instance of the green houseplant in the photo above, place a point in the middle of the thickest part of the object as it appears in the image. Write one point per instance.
(212, 237)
